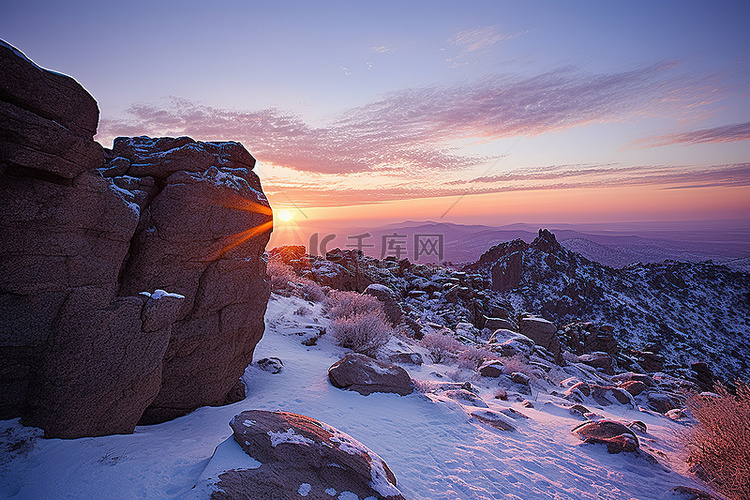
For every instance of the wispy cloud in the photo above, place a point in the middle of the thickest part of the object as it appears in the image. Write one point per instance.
(475, 42)
(724, 133)
(411, 130)
(382, 49)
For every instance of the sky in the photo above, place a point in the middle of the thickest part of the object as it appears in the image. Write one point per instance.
(486, 112)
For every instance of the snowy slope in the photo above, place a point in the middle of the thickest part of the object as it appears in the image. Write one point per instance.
(435, 449)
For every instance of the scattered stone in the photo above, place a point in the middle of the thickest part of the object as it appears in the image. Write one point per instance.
(357, 372)
(495, 419)
(615, 435)
(600, 361)
(408, 358)
(501, 394)
(520, 378)
(465, 397)
(578, 410)
(499, 324)
(272, 365)
(543, 333)
(692, 493)
(293, 450)
(677, 414)
(638, 425)
(634, 387)
(514, 414)
(491, 368)
(527, 404)
(659, 402)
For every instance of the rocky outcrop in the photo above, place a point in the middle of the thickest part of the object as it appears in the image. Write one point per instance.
(303, 457)
(387, 298)
(127, 287)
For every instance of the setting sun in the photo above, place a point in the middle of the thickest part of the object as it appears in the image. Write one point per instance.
(285, 215)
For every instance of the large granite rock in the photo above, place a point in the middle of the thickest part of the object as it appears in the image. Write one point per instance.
(302, 457)
(119, 292)
(543, 333)
(356, 372)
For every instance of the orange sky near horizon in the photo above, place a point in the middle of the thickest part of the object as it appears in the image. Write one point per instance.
(560, 205)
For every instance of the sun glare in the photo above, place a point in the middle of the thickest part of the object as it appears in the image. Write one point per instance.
(285, 215)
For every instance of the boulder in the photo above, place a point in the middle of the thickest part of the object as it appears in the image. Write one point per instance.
(492, 368)
(660, 402)
(495, 419)
(499, 323)
(302, 457)
(634, 387)
(387, 298)
(543, 333)
(615, 435)
(272, 365)
(465, 397)
(357, 372)
(599, 360)
(408, 358)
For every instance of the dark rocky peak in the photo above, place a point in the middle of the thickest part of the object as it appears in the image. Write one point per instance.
(497, 252)
(546, 242)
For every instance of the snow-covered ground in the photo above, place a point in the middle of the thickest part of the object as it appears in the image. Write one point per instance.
(434, 447)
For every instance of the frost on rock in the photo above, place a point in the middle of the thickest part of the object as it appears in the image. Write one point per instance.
(288, 436)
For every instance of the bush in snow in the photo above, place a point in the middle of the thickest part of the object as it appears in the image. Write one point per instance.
(281, 276)
(720, 442)
(285, 281)
(364, 332)
(341, 304)
(442, 347)
(472, 358)
(312, 291)
(519, 364)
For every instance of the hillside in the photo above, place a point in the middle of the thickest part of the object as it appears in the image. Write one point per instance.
(687, 311)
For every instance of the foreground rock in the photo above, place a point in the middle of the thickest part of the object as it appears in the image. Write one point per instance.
(302, 457)
(132, 290)
(357, 372)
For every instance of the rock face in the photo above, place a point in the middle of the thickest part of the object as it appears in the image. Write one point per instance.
(543, 333)
(387, 297)
(365, 375)
(133, 284)
(301, 456)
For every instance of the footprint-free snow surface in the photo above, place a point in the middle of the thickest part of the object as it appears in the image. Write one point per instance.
(432, 444)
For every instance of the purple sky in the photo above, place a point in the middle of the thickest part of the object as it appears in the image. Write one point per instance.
(411, 103)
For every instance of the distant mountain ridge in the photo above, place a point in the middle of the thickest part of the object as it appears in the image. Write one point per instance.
(617, 247)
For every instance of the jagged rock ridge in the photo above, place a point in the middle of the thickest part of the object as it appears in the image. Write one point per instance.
(132, 284)
(687, 311)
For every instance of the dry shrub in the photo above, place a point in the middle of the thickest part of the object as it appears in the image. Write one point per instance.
(285, 281)
(472, 357)
(281, 275)
(442, 347)
(357, 321)
(719, 444)
(310, 290)
(364, 333)
(340, 304)
(518, 364)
